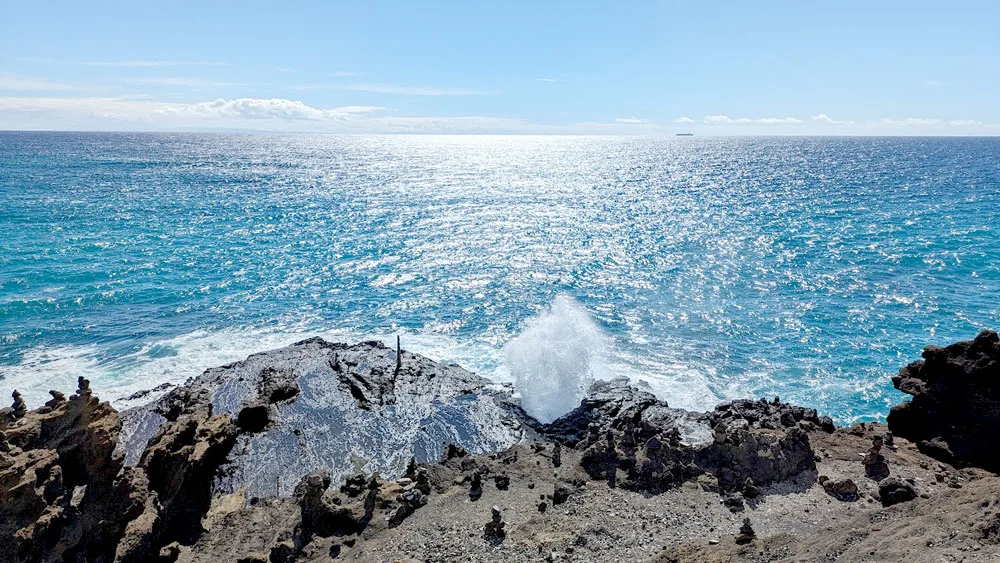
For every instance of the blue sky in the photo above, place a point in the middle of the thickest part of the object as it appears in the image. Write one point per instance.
(512, 67)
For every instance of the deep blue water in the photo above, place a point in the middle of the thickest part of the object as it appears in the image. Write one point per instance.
(810, 268)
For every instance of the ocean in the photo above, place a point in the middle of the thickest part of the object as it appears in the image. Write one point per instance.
(709, 268)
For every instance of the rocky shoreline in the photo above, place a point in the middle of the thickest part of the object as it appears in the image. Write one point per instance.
(322, 451)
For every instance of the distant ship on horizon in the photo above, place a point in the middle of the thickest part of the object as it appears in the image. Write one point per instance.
(685, 134)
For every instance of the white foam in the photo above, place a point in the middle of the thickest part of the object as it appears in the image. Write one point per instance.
(174, 360)
(551, 362)
(554, 359)
(45, 368)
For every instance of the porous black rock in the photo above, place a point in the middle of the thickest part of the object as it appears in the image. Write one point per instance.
(893, 490)
(954, 415)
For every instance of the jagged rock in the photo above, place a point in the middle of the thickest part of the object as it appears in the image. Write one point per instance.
(841, 489)
(607, 403)
(277, 385)
(763, 455)
(170, 552)
(324, 515)
(770, 415)
(57, 475)
(181, 462)
(557, 455)
(955, 412)
(750, 490)
(894, 490)
(759, 440)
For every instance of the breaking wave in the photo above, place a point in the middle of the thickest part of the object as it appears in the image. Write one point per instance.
(555, 358)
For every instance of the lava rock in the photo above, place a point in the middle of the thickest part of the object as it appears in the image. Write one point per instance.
(493, 531)
(560, 494)
(955, 412)
(841, 489)
(894, 490)
(746, 534)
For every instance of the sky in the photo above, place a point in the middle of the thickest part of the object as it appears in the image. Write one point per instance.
(709, 68)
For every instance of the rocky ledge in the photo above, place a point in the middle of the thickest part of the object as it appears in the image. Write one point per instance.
(955, 412)
(324, 451)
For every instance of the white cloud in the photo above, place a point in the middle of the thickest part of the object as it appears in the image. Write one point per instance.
(824, 118)
(725, 119)
(684, 119)
(274, 108)
(286, 69)
(717, 119)
(142, 113)
(630, 120)
(413, 90)
(343, 73)
(546, 79)
(16, 82)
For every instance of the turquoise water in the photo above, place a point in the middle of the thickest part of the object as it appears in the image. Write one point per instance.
(714, 268)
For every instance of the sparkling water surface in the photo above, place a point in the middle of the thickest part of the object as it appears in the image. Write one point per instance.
(715, 268)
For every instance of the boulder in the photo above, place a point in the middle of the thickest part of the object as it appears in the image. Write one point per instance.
(893, 490)
(841, 489)
(317, 404)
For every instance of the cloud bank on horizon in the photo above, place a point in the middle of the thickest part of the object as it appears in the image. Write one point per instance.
(393, 67)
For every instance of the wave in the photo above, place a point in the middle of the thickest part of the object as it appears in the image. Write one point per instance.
(551, 362)
(175, 360)
(554, 359)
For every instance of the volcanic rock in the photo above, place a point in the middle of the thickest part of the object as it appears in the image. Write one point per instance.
(893, 490)
(841, 489)
(746, 534)
(955, 412)
(336, 407)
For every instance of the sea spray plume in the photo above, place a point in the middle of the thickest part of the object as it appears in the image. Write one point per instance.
(555, 358)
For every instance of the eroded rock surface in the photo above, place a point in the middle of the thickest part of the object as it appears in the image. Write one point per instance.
(346, 409)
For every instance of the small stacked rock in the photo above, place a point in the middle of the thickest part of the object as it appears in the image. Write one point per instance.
(493, 531)
(19, 408)
(476, 488)
(746, 534)
(875, 466)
